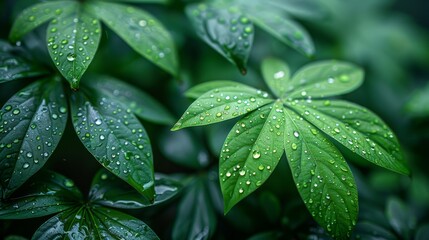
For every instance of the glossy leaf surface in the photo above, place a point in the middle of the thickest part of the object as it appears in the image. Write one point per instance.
(276, 74)
(200, 89)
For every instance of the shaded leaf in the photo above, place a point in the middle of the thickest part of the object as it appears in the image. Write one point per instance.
(250, 153)
(301, 8)
(141, 31)
(322, 177)
(417, 104)
(200, 89)
(276, 74)
(227, 31)
(266, 236)
(325, 78)
(400, 217)
(370, 231)
(14, 66)
(47, 193)
(38, 14)
(32, 122)
(222, 104)
(115, 137)
(139, 102)
(422, 232)
(142, 1)
(357, 129)
(72, 41)
(110, 191)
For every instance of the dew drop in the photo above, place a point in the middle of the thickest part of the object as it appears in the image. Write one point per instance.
(296, 134)
(71, 57)
(68, 183)
(26, 165)
(242, 173)
(16, 111)
(279, 75)
(294, 146)
(256, 154)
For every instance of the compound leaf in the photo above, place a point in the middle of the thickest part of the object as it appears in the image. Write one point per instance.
(46, 193)
(115, 137)
(276, 74)
(32, 122)
(322, 177)
(227, 31)
(141, 31)
(325, 78)
(73, 40)
(222, 104)
(200, 89)
(357, 129)
(251, 152)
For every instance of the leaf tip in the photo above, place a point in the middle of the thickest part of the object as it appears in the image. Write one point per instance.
(176, 126)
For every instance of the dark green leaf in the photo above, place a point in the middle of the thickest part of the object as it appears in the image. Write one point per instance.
(14, 66)
(417, 104)
(140, 103)
(422, 232)
(301, 8)
(325, 78)
(115, 137)
(222, 104)
(15, 237)
(322, 177)
(32, 122)
(141, 1)
(141, 31)
(277, 75)
(357, 129)
(195, 218)
(270, 204)
(38, 14)
(110, 191)
(266, 236)
(46, 193)
(250, 153)
(200, 89)
(72, 42)
(400, 217)
(227, 31)
(370, 231)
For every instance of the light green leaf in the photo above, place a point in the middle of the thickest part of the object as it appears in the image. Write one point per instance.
(250, 153)
(195, 218)
(139, 102)
(38, 14)
(46, 193)
(31, 125)
(13, 65)
(225, 29)
(115, 137)
(108, 190)
(325, 78)
(276, 74)
(200, 89)
(141, 31)
(357, 129)
(322, 177)
(222, 104)
(72, 41)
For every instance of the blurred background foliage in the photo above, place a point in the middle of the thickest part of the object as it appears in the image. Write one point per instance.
(388, 38)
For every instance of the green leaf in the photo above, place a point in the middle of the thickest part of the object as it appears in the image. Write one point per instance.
(115, 137)
(371, 231)
(14, 66)
(141, 1)
(195, 218)
(276, 22)
(110, 191)
(422, 232)
(417, 104)
(31, 125)
(140, 103)
(227, 31)
(276, 74)
(322, 177)
(400, 217)
(272, 235)
(200, 89)
(325, 78)
(141, 31)
(46, 193)
(301, 8)
(357, 129)
(250, 153)
(72, 41)
(38, 14)
(222, 104)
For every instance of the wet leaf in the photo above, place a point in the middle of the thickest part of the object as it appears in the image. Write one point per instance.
(72, 41)
(226, 30)
(222, 104)
(32, 123)
(322, 177)
(38, 14)
(250, 153)
(309, 9)
(324, 79)
(277, 75)
(144, 33)
(14, 66)
(196, 218)
(115, 137)
(139, 102)
(109, 190)
(45, 194)
(357, 129)
(200, 89)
